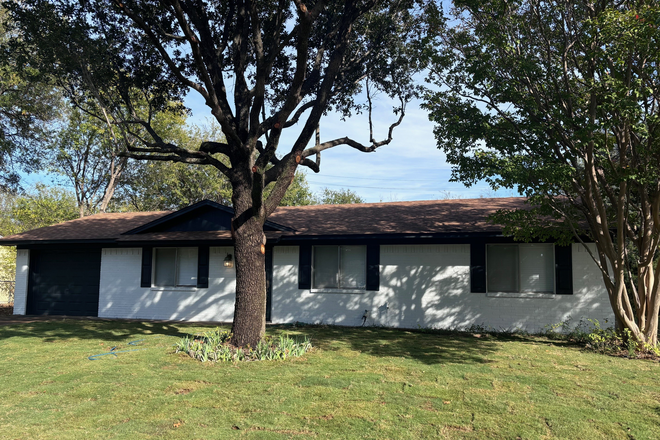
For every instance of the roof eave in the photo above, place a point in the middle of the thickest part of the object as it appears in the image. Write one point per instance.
(49, 242)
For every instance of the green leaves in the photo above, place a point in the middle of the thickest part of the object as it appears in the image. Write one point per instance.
(528, 89)
(560, 100)
(29, 107)
(39, 207)
(213, 346)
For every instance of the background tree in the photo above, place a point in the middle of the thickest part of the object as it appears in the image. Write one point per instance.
(29, 104)
(261, 67)
(560, 100)
(167, 186)
(84, 156)
(298, 193)
(338, 197)
(35, 208)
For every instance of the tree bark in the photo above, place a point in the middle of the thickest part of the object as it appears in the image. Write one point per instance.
(249, 325)
(116, 169)
(250, 312)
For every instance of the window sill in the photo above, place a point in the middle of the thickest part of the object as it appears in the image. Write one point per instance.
(337, 291)
(521, 295)
(174, 288)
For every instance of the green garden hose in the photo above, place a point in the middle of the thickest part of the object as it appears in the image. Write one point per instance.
(114, 352)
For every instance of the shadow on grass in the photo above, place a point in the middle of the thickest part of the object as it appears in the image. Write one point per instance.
(428, 348)
(52, 330)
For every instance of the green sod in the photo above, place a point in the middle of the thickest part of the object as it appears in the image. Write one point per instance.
(356, 383)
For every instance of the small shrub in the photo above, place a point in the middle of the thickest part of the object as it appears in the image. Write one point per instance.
(565, 331)
(592, 336)
(214, 346)
(480, 328)
(603, 340)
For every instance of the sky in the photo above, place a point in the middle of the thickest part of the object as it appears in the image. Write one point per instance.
(410, 168)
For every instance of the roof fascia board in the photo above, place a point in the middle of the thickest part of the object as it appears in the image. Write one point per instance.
(445, 238)
(414, 236)
(23, 244)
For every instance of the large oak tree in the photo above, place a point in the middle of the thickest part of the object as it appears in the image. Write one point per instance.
(261, 67)
(561, 100)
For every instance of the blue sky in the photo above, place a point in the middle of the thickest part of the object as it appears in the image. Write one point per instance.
(409, 168)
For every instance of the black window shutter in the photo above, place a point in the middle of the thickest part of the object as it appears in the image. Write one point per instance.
(305, 267)
(373, 267)
(563, 270)
(145, 277)
(203, 266)
(478, 267)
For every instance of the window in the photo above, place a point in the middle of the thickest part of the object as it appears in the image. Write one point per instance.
(339, 267)
(175, 267)
(520, 268)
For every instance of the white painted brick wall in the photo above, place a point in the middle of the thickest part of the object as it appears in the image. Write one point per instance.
(122, 297)
(428, 286)
(21, 286)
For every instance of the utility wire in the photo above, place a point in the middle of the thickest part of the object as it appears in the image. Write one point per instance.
(367, 178)
(379, 187)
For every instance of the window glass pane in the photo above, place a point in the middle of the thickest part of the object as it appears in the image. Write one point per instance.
(537, 272)
(325, 266)
(502, 268)
(353, 272)
(187, 270)
(165, 266)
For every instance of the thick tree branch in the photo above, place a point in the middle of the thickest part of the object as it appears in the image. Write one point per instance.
(215, 148)
(175, 154)
(316, 149)
(296, 117)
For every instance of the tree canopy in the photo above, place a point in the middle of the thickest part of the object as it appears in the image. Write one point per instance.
(29, 104)
(338, 197)
(33, 208)
(261, 67)
(561, 101)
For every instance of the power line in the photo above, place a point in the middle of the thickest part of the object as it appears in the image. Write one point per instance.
(368, 178)
(378, 187)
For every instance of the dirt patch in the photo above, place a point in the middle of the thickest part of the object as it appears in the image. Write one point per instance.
(6, 309)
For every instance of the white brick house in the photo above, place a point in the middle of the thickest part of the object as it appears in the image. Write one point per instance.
(435, 264)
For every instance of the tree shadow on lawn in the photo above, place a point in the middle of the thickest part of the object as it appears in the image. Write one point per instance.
(106, 330)
(427, 347)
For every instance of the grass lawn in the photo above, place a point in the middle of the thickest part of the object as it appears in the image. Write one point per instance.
(357, 383)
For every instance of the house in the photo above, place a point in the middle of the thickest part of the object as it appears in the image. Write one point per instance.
(430, 264)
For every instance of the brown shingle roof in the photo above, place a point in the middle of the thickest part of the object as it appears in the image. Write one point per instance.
(94, 227)
(421, 217)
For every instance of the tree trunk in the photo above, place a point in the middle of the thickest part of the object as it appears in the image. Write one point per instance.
(115, 173)
(250, 312)
(249, 325)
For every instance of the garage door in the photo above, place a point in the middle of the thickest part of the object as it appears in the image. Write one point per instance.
(64, 282)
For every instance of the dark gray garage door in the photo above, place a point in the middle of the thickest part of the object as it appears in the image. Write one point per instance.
(64, 282)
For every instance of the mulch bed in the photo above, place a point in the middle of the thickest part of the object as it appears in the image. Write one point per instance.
(6, 309)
